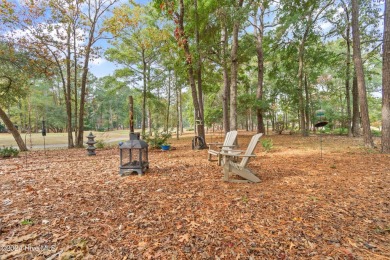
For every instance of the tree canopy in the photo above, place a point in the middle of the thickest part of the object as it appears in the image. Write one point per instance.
(230, 64)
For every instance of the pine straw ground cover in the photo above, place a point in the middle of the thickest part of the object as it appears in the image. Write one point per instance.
(66, 205)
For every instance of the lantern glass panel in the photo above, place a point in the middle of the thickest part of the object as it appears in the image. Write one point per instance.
(125, 156)
(135, 157)
(144, 156)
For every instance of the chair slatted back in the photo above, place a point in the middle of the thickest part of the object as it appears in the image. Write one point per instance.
(229, 139)
(249, 150)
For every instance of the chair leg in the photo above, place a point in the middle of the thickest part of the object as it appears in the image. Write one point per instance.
(226, 170)
(246, 174)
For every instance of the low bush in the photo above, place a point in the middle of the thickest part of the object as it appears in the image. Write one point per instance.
(8, 152)
(267, 144)
(100, 144)
(157, 139)
(376, 133)
(340, 131)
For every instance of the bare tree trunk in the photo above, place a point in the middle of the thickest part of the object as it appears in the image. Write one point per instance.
(149, 122)
(355, 109)
(357, 58)
(348, 90)
(347, 79)
(347, 38)
(285, 116)
(169, 99)
(247, 120)
(94, 13)
(234, 71)
(83, 92)
(149, 105)
(144, 77)
(226, 82)
(131, 114)
(180, 115)
(68, 96)
(300, 89)
(233, 81)
(177, 109)
(386, 82)
(181, 36)
(342, 121)
(199, 62)
(82, 99)
(75, 81)
(307, 108)
(18, 139)
(259, 32)
(21, 123)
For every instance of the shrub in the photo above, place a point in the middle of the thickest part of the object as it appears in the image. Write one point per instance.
(157, 139)
(376, 133)
(9, 152)
(267, 144)
(100, 144)
(340, 131)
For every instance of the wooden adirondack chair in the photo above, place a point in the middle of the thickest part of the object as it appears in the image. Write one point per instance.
(240, 168)
(228, 144)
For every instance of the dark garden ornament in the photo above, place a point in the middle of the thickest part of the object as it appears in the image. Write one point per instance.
(91, 141)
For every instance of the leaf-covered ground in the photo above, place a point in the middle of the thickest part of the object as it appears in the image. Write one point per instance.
(66, 205)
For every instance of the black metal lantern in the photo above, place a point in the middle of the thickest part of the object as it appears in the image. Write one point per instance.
(133, 156)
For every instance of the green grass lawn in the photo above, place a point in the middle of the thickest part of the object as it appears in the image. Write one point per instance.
(7, 139)
(109, 137)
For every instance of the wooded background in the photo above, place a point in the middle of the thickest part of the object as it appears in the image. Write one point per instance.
(216, 64)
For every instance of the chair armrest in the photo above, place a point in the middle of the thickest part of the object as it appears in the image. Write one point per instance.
(226, 147)
(243, 155)
(233, 151)
(235, 154)
(230, 153)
